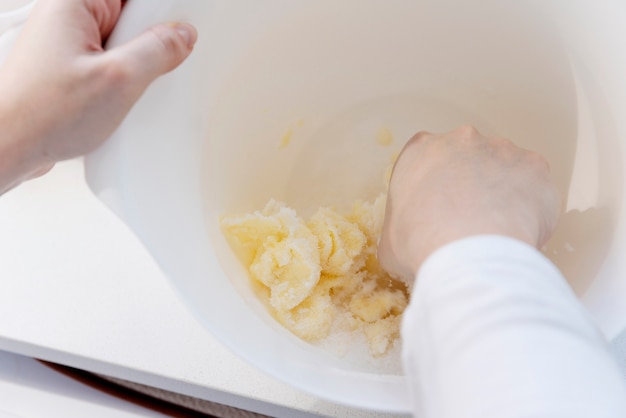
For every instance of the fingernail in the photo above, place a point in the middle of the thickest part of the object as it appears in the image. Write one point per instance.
(187, 32)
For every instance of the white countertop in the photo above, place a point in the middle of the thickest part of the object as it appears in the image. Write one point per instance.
(77, 288)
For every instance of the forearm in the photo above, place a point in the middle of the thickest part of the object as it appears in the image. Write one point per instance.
(18, 158)
(493, 330)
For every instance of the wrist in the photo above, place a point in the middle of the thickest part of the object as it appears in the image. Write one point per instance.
(20, 156)
(421, 247)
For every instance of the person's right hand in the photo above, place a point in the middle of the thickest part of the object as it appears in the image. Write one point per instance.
(451, 186)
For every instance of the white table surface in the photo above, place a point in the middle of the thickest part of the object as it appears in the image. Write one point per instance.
(77, 288)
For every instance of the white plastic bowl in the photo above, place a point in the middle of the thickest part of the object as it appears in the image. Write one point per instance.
(204, 140)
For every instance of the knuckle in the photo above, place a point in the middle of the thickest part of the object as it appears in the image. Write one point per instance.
(414, 143)
(467, 132)
(166, 42)
(504, 141)
(118, 73)
(420, 136)
(111, 72)
(417, 139)
(539, 161)
(467, 136)
(506, 145)
(169, 47)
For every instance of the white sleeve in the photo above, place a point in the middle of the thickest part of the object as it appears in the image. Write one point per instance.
(494, 331)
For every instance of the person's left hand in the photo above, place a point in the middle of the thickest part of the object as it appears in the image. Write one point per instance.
(62, 94)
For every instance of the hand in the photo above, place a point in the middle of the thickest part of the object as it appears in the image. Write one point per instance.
(451, 186)
(62, 95)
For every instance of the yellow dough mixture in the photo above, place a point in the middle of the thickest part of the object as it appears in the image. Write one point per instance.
(320, 275)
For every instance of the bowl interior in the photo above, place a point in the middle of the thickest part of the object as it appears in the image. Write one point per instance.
(328, 79)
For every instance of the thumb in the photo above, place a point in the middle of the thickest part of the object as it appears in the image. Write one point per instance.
(157, 51)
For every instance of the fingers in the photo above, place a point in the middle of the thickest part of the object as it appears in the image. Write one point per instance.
(155, 52)
(106, 13)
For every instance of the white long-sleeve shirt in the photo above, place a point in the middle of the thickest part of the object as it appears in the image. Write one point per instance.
(494, 331)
